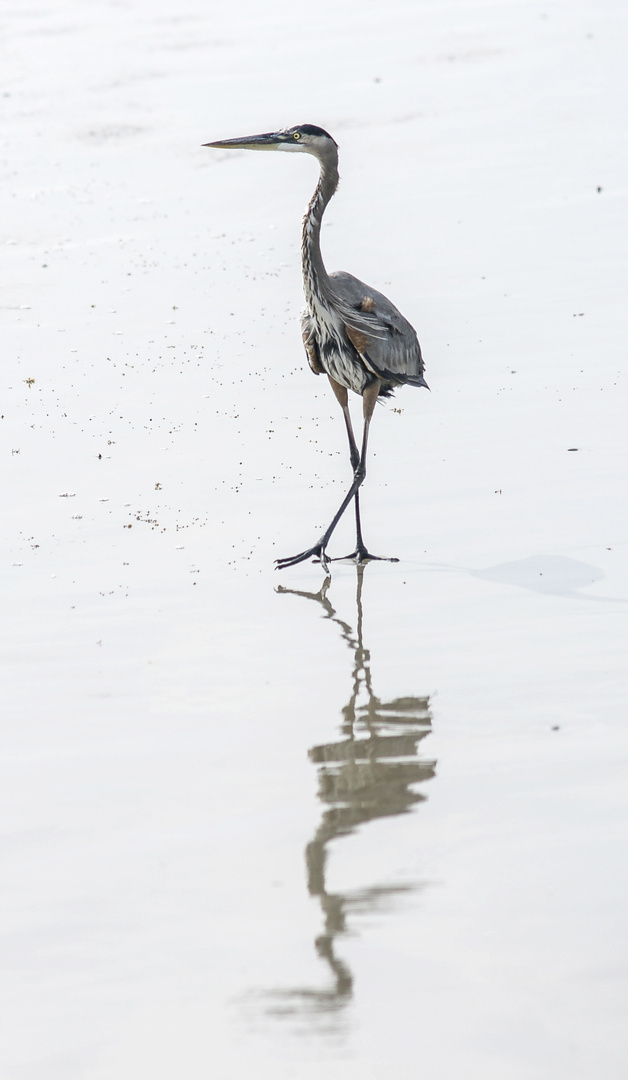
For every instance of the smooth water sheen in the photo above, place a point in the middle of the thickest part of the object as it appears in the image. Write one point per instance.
(267, 824)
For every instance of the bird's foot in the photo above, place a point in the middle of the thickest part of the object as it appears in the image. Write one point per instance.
(361, 556)
(316, 552)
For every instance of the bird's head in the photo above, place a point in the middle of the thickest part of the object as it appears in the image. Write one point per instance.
(303, 139)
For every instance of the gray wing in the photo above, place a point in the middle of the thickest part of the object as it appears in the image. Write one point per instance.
(385, 340)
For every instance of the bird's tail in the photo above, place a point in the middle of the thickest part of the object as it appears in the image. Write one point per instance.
(416, 380)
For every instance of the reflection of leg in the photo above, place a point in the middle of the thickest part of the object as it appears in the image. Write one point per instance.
(333, 909)
(369, 398)
(315, 859)
(344, 978)
(320, 596)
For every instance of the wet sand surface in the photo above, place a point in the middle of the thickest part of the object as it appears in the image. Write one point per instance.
(276, 825)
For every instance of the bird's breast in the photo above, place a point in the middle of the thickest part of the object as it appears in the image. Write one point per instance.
(341, 361)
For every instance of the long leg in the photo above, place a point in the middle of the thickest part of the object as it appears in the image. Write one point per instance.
(369, 397)
(361, 553)
(354, 456)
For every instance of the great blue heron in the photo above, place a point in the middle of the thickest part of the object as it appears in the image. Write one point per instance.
(352, 333)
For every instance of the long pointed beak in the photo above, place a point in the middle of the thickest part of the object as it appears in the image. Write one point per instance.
(271, 141)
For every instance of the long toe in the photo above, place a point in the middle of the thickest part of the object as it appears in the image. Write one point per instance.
(311, 553)
(362, 556)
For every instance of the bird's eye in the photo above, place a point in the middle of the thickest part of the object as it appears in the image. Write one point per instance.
(297, 135)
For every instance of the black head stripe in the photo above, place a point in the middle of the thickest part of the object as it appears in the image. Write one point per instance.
(311, 129)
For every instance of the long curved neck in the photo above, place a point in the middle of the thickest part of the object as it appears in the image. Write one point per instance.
(316, 283)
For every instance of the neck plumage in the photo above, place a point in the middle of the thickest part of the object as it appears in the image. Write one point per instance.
(316, 283)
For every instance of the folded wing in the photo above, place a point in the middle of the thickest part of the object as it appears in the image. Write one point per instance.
(385, 341)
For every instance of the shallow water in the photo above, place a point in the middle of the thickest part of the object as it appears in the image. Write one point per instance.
(273, 824)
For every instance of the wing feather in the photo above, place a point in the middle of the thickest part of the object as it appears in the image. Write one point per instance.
(381, 335)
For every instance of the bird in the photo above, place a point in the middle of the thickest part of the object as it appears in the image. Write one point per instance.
(351, 332)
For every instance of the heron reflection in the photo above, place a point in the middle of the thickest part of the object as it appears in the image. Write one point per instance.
(370, 772)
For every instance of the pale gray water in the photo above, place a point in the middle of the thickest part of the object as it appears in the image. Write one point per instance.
(259, 824)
